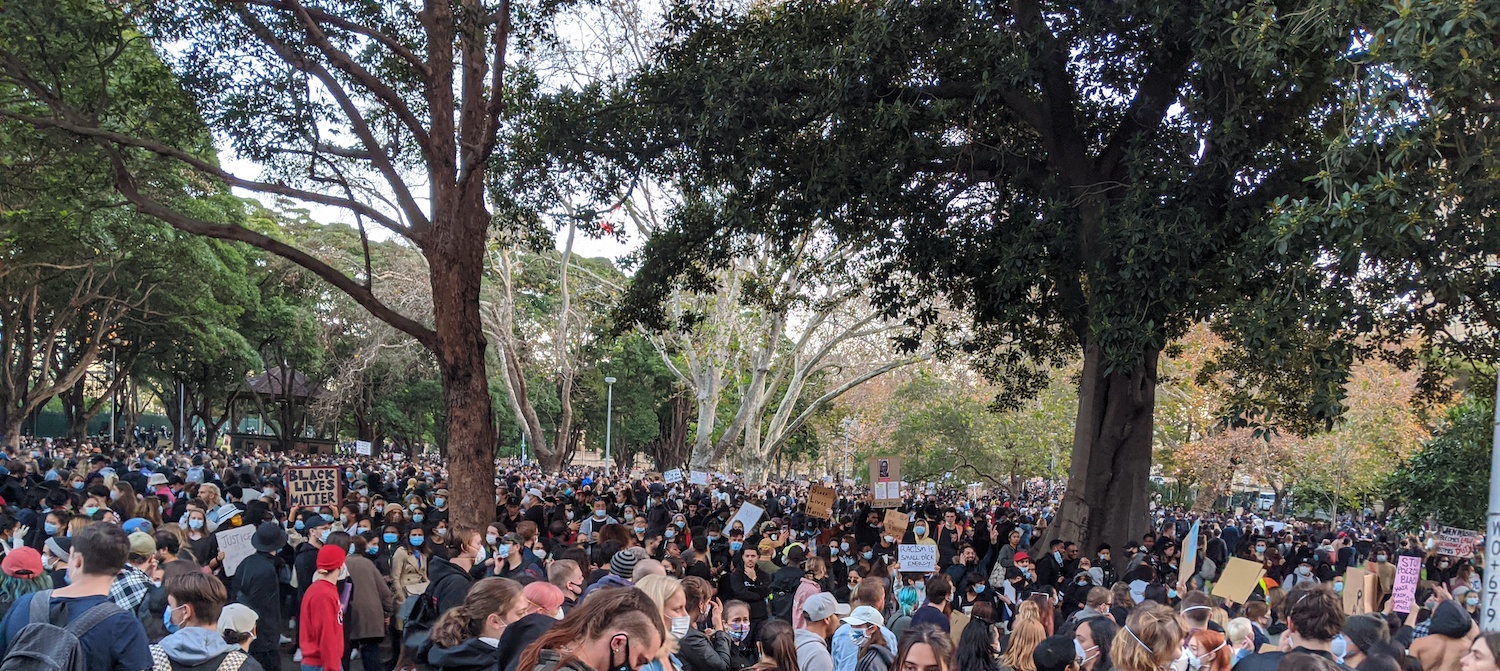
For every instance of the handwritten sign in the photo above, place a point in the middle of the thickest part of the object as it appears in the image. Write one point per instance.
(1404, 591)
(1354, 591)
(820, 502)
(917, 558)
(698, 477)
(896, 523)
(312, 486)
(1458, 542)
(747, 516)
(1238, 580)
(674, 475)
(235, 544)
(885, 481)
(363, 447)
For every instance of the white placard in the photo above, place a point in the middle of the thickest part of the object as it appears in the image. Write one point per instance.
(698, 477)
(920, 558)
(674, 475)
(748, 515)
(362, 447)
(235, 544)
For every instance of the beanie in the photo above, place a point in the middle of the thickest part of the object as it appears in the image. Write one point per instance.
(331, 558)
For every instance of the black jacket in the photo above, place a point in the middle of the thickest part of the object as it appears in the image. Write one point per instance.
(519, 635)
(700, 652)
(256, 584)
(752, 592)
(304, 565)
(1268, 661)
(449, 583)
(470, 655)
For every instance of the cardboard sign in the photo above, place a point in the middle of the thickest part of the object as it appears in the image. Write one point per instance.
(1189, 556)
(917, 558)
(1404, 591)
(235, 544)
(1238, 580)
(885, 481)
(747, 516)
(820, 502)
(1355, 600)
(312, 486)
(363, 447)
(1458, 542)
(698, 477)
(674, 475)
(896, 523)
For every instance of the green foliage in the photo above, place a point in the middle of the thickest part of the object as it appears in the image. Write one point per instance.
(1447, 480)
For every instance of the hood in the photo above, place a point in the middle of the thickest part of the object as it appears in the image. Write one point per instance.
(192, 646)
(472, 653)
(805, 637)
(612, 580)
(1450, 620)
(519, 635)
(439, 568)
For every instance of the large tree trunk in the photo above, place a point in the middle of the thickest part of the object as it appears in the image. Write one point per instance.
(1108, 494)
(456, 268)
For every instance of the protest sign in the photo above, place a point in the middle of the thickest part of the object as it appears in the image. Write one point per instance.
(674, 475)
(896, 523)
(1238, 580)
(1404, 591)
(363, 447)
(747, 516)
(698, 477)
(312, 486)
(885, 481)
(917, 558)
(1354, 591)
(1458, 542)
(235, 544)
(1189, 556)
(820, 502)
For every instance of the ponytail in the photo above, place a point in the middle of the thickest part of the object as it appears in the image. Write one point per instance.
(465, 621)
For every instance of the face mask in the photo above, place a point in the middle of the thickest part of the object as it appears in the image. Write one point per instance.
(1080, 652)
(681, 524)
(440, 531)
(541, 555)
(439, 502)
(50, 528)
(78, 485)
(416, 541)
(670, 534)
(738, 631)
(599, 514)
(195, 524)
(734, 546)
(570, 514)
(920, 530)
(479, 555)
(1171, 594)
(680, 626)
(1304, 571)
(114, 495)
(299, 525)
(833, 551)
(1380, 559)
(326, 517)
(363, 506)
(372, 550)
(324, 535)
(844, 547)
(857, 635)
(389, 538)
(1471, 600)
(624, 664)
(1103, 557)
(503, 552)
(713, 539)
(979, 589)
(491, 539)
(91, 511)
(166, 620)
(1260, 549)
(890, 539)
(868, 555)
(640, 530)
(417, 518)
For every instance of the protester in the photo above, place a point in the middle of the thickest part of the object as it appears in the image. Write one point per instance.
(778, 648)
(23, 575)
(705, 646)
(467, 637)
(1094, 638)
(924, 648)
(821, 615)
(321, 624)
(195, 603)
(613, 629)
(1208, 651)
(1314, 615)
(1150, 640)
(371, 601)
(238, 624)
(742, 648)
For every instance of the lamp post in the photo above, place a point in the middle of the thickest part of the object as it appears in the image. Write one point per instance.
(609, 421)
(114, 376)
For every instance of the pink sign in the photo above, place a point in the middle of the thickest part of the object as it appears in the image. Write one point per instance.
(1404, 591)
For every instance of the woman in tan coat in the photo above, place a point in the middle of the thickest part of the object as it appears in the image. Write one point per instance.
(371, 604)
(409, 578)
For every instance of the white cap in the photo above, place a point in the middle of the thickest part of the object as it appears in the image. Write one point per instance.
(865, 615)
(238, 617)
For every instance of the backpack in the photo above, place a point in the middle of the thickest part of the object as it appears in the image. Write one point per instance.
(779, 602)
(45, 646)
(424, 614)
(229, 661)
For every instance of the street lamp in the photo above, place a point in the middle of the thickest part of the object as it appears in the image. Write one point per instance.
(609, 420)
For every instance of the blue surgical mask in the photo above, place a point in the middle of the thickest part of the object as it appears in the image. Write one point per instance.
(670, 533)
(1171, 594)
(50, 528)
(91, 511)
(389, 538)
(844, 547)
(198, 524)
(920, 530)
(869, 554)
(504, 552)
(166, 620)
(324, 536)
(417, 518)
(299, 525)
(640, 530)
(439, 501)
(327, 517)
(979, 589)
(833, 550)
(372, 550)
(416, 541)
(78, 485)
(734, 546)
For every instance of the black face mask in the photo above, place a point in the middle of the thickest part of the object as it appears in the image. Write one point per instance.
(624, 664)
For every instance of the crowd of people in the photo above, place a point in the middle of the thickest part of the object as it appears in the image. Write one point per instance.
(112, 561)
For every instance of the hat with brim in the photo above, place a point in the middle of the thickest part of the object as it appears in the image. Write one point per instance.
(268, 537)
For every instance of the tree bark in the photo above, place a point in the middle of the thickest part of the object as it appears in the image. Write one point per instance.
(1107, 500)
(456, 269)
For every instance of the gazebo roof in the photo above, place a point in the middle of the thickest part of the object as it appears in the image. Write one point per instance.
(275, 382)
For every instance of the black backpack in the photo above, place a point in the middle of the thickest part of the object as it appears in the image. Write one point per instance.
(781, 599)
(417, 632)
(44, 645)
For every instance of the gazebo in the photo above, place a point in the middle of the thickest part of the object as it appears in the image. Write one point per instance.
(279, 399)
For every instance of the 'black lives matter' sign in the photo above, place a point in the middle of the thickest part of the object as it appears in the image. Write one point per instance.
(313, 486)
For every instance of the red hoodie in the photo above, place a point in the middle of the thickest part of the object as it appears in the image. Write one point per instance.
(322, 626)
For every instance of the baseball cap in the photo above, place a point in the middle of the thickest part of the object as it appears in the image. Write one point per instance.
(237, 617)
(822, 605)
(22, 562)
(141, 543)
(136, 524)
(1022, 556)
(865, 615)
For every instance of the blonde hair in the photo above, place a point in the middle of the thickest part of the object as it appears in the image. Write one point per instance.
(1150, 640)
(1238, 630)
(1026, 633)
(661, 588)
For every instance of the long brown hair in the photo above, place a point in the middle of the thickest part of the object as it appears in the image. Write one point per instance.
(485, 598)
(778, 647)
(940, 642)
(606, 609)
(1025, 635)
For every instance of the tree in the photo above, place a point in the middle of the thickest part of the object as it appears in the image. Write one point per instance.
(1447, 480)
(1078, 179)
(347, 104)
